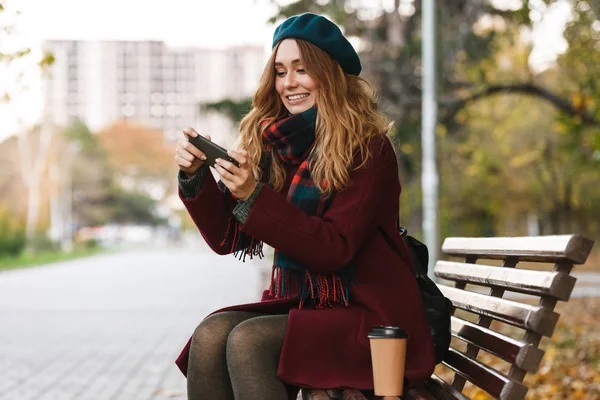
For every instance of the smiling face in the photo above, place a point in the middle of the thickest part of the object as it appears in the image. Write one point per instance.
(297, 90)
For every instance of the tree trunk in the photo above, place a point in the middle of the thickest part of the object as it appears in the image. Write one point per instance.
(395, 29)
(32, 174)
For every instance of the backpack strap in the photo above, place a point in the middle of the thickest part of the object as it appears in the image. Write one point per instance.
(417, 249)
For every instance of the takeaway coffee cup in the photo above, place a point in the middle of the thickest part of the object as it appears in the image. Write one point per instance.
(388, 354)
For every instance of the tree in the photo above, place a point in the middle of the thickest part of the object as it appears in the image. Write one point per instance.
(537, 152)
(98, 195)
(235, 110)
(32, 163)
(142, 159)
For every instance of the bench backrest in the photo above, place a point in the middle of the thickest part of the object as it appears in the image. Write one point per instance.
(487, 294)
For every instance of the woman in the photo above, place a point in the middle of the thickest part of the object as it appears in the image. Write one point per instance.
(317, 181)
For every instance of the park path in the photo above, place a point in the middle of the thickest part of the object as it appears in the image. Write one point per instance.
(110, 326)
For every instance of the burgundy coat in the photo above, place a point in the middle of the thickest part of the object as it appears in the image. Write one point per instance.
(329, 348)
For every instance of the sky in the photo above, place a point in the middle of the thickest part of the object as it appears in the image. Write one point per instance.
(204, 23)
(213, 23)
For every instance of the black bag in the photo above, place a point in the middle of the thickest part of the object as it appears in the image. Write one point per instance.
(438, 308)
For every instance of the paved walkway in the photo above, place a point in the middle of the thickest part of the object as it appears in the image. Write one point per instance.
(109, 327)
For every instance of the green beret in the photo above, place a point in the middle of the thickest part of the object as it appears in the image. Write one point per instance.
(322, 33)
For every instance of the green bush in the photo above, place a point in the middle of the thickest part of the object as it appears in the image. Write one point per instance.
(89, 244)
(12, 234)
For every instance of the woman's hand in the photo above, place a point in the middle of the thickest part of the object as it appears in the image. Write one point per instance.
(240, 181)
(188, 158)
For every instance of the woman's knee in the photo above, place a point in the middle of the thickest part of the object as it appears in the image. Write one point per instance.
(243, 338)
(253, 338)
(213, 329)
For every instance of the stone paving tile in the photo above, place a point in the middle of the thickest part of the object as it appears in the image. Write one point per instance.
(148, 379)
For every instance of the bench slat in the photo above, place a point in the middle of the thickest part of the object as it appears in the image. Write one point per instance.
(566, 248)
(542, 283)
(533, 318)
(490, 380)
(419, 393)
(521, 354)
(436, 388)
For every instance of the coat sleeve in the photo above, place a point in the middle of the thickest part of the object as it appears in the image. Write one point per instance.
(328, 243)
(211, 211)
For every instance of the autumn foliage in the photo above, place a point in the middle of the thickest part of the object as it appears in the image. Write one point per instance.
(138, 149)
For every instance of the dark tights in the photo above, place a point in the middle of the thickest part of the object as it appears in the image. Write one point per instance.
(234, 355)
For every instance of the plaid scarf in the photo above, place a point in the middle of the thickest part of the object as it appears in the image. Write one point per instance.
(292, 139)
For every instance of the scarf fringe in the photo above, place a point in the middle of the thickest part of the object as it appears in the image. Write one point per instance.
(321, 291)
(280, 283)
(318, 290)
(242, 245)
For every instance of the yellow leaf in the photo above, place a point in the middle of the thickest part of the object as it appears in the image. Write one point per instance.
(407, 148)
(525, 159)
(471, 170)
(481, 395)
(441, 130)
(576, 100)
(562, 129)
(553, 388)
(461, 117)
(578, 394)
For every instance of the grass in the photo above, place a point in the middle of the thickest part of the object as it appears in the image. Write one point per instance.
(27, 259)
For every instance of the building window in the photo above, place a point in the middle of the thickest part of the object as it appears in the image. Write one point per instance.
(131, 47)
(182, 86)
(128, 110)
(168, 60)
(129, 97)
(156, 97)
(166, 86)
(156, 85)
(156, 73)
(172, 110)
(169, 73)
(130, 86)
(172, 134)
(131, 73)
(130, 61)
(157, 110)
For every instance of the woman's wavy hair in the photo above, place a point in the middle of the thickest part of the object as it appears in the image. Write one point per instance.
(347, 120)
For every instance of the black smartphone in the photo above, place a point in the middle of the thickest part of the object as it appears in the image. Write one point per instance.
(211, 150)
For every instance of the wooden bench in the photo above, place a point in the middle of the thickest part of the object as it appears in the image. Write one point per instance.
(519, 321)
(531, 296)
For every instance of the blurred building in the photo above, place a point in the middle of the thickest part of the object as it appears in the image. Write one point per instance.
(147, 82)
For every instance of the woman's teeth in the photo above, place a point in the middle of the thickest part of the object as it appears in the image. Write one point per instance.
(297, 96)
